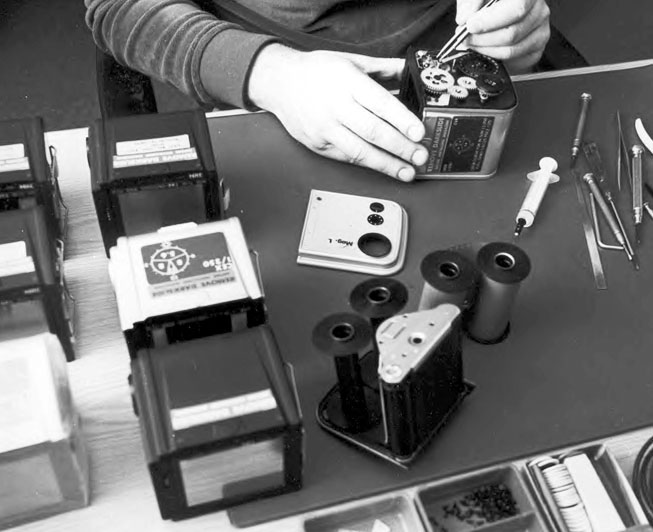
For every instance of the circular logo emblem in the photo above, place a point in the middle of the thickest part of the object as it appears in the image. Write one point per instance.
(169, 261)
(462, 144)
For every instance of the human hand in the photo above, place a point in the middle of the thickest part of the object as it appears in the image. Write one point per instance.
(328, 102)
(514, 31)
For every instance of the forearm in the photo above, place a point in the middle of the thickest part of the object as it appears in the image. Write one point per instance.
(176, 41)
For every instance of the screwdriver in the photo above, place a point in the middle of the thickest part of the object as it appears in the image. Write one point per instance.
(638, 201)
(585, 99)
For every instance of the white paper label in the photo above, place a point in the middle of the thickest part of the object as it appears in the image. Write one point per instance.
(153, 151)
(13, 251)
(14, 259)
(12, 158)
(28, 407)
(16, 267)
(251, 403)
(12, 151)
(138, 147)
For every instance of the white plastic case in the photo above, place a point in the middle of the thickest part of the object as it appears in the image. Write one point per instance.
(181, 267)
(353, 233)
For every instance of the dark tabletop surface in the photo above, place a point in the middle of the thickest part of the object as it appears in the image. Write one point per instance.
(578, 364)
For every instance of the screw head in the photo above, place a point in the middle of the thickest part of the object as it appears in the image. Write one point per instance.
(392, 371)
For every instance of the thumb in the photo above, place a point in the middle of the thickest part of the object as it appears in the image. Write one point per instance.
(466, 8)
(378, 67)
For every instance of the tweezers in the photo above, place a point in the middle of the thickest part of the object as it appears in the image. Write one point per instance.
(458, 37)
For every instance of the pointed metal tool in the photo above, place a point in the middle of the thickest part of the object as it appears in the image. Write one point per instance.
(590, 235)
(608, 215)
(638, 200)
(625, 154)
(619, 162)
(611, 215)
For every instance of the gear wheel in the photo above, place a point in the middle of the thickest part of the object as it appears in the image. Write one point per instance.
(467, 83)
(458, 92)
(424, 59)
(490, 85)
(474, 64)
(436, 80)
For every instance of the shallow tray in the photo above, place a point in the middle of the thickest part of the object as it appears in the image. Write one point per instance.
(395, 511)
(494, 500)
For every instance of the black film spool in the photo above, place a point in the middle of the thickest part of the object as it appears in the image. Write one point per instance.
(448, 277)
(503, 267)
(344, 336)
(378, 299)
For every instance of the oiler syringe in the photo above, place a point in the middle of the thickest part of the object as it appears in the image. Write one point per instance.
(541, 179)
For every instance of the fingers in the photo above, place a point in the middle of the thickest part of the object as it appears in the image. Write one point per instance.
(520, 55)
(536, 20)
(336, 140)
(381, 103)
(377, 132)
(502, 14)
(380, 67)
(357, 121)
(465, 8)
(513, 31)
(350, 148)
(378, 100)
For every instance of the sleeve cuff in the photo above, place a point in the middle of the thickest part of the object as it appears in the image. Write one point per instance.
(225, 65)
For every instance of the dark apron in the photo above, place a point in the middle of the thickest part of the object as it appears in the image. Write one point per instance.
(442, 14)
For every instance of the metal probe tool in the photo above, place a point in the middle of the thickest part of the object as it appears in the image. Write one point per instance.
(541, 179)
(624, 152)
(648, 209)
(619, 141)
(638, 192)
(590, 235)
(585, 99)
(596, 192)
(648, 142)
(595, 163)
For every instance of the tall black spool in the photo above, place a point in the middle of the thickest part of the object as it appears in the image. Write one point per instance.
(503, 267)
(449, 277)
(345, 336)
(378, 299)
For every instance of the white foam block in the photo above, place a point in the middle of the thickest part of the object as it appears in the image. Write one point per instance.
(599, 506)
(380, 526)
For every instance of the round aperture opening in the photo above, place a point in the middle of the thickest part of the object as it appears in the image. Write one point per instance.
(342, 332)
(378, 295)
(374, 245)
(504, 261)
(416, 339)
(449, 270)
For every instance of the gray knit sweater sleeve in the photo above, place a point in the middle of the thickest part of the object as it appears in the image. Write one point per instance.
(177, 42)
